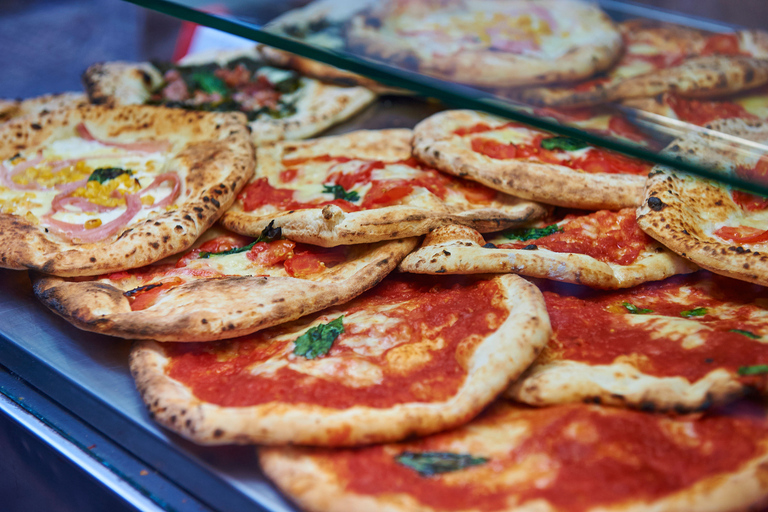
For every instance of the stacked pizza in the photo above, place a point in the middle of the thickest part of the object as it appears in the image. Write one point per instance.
(470, 315)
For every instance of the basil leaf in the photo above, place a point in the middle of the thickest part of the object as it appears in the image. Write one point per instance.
(209, 83)
(758, 369)
(103, 174)
(746, 333)
(433, 463)
(532, 233)
(635, 310)
(694, 312)
(268, 234)
(563, 143)
(318, 340)
(339, 193)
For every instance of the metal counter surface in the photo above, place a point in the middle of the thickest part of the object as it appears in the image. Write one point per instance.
(88, 375)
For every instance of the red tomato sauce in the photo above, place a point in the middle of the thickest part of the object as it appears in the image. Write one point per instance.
(619, 455)
(749, 202)
(455, 310)
(701, 112)
(723, 44)
(612, 237)
(261, 193)
(593, 327)
(742, 234)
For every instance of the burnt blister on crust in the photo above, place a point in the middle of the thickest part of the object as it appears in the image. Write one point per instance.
(655, 204)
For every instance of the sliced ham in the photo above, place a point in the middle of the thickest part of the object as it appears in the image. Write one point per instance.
(142, 146)
(170, 198)
(77, 232)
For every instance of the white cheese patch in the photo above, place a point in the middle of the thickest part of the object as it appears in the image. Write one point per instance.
(688, 333)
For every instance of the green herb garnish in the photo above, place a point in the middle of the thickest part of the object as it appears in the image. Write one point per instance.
(268, 234)
(694, 312)
(758, 369)
(433, 463)
(103, 174)
(532, 233)
(563, 143)
(339, 192)
(209, 83)
(746, 333)
(635, 310)
(317, 341)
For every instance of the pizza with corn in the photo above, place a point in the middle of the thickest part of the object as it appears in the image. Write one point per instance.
(362, 187)
(412, 356)
(101, 189)
(227, 285)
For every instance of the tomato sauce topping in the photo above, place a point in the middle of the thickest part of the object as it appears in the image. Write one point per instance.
(588, 457)
(612, 237)
(742, 234)
(455, 310)
(597, 328)
(723, 44)
(701, 112)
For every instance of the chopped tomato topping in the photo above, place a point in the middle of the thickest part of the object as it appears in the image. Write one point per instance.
(144, 296)
(289, 175)
(260, 193)
(501, 151)
(749, 202)
(758, 173)
(385, 193)
(218, 244)
(722, 44)
(308, 260)
(702, 112)
(361, 175)
(602, 161)
(743, 235)
(272, 253)
(623, 128)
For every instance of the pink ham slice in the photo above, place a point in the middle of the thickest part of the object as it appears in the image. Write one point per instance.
(77, 232)
(142, 146)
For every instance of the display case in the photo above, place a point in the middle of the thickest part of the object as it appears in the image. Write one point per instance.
(73, 392)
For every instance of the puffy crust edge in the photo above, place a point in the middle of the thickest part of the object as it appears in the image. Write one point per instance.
(216, 152)
(552, 184)
(496, 361)
(213, 309)
(455, 250)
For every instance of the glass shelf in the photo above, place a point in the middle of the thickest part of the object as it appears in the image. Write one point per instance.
(322, 31)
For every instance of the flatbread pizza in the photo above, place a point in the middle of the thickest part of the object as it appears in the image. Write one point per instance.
(410, 357)
(577, 457)
(101, 189)
(529, 163)
(599, 249)
(489, 43)
(363, 187)
(662, 57)
(279, 104)
(715, 226)
(683, 344)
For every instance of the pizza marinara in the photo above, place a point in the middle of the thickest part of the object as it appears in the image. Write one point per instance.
(362, 187)
(412, 356)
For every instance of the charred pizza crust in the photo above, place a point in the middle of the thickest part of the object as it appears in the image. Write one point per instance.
(330, 226)
(462, 250)
(683, 212)
(390, 31)
(232, 304)
(318, 106)
(491, 360)
(436, 144)
(13, 109)
(519, 459)
(211, 153)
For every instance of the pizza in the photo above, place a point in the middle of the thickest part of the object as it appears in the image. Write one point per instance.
(102, 189)
(599, 249)
(529, 163)
(280, 104)
(576, 457)
(663, 57)
(492, 43)
(363, 187)
(682, 344)
(14, 109)
(227, 285)
(411, 357)
(715, 226)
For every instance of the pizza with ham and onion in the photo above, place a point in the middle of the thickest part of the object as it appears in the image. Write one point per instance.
(363, 187)
(102, 189)
(529, 163)
(662, 57)
(227, 285)
(599, 249)
(716, 226)
(682, 344)
(413, 356)
(566, 458)
(492, 43)
(280, 104)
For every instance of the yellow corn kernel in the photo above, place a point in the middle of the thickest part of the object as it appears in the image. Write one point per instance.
(92, 223)
(147, 200)
(172, 207)
(31, 218)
